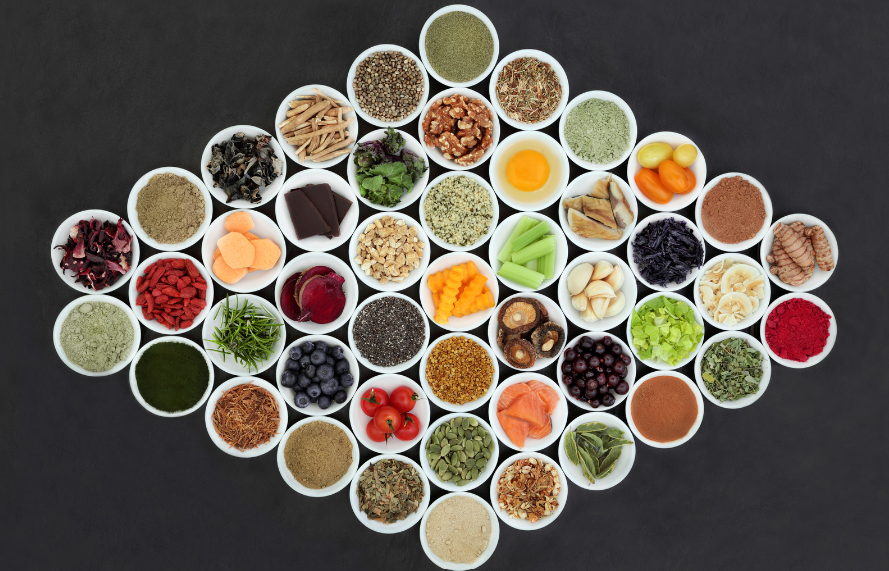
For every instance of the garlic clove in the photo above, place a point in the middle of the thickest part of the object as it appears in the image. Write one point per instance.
(588, 314)
(615, 279)
(598, 289)
(602, 269)
(579, 278)
(599, 305)
(616, 305)
(580, 301)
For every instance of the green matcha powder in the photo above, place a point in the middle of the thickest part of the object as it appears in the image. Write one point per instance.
(172, 376)
(97, 336)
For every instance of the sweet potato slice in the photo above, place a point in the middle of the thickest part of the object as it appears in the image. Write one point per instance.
(250, 236)
(216, 254)
(227, 273)
(239, 222)
(266, 254)
(237, 251)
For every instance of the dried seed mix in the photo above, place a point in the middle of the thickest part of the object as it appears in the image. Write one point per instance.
(318, 454)
(388, 85)
(458, 529)
(389, 331)
(459, 210)
(528, 489)
(459, 370)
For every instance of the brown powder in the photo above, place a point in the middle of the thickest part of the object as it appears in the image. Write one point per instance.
(664, 408)
(170, 208)
(458, 529)
(733, 211)
(318, 454)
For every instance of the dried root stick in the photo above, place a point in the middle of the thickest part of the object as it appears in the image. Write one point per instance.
(795, 245)
(823, 254)
(785, 268)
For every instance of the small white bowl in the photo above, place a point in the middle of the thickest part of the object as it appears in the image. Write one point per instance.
(57, 330)
(281, 115)
(622, 466)
(289, 393)
(630, 378)
(554, 65)
(350, 288)
(524, 524)
(605, 96)
(267, 192)
(558, 418)
(61, 238)
(449, 486)
(763, 383)
(501, 236)
(750, 319)
(495, 212)
(214, 320)
(635, 267)
(359, 420)
(629, 289)
(472, 320)
(353, 99)
(471, 405)
(263, 228)
(581, 186)
(414, 275)
(402, 366)
(831, 331)
(410, 144)
(658, 364)
(468, 10)
(679, 201)
(486, 553)
(133, 215)
(331, 489)
(743, 245)
(262, 448)
(698, 399)
(134, 385)
(819, 276)
(337, 185)
(555, 315)
(153, 324)
(519, 140)
(435, 153)
(398, 526)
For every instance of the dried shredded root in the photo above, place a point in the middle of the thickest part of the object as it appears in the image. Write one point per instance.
(246, 416)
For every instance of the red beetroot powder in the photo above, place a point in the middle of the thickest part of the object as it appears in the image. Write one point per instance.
(797, 330)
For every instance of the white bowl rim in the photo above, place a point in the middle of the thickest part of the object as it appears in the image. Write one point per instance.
(657, 216)
(492, 285)
(337, 265)
(411, 144)
(554, 65)
(609, 322)
(294, 484)
(268, 193)
(831, 331)
(523, 524)
(481, 16)
(746, 400)
(698, 399)
(607, 96)
(399, 446)
(288, 149)
(353, 98)
(408, 522)
(516, 139)
(262, 448)
(675, 204)
(435, 154)
(751, 319)
(744, 244)
(597, 244)
(134, 386)
(552, 308)
(562, 410)
(208, 327)
(561, 246)
(658, 365)
(338, 185)
(632, 370)
(495, 207)
(571, 471)
(459, 409)
(820, 277)
(289, 394)
(413, 277)
(493, 539)
(449, 486)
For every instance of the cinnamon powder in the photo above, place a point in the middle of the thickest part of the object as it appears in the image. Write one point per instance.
(664, 408)
(733, 210)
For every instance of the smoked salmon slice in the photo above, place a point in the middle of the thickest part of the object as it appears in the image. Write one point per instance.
(517, 430)
(543, 431)
(530, 408)
(546, 393)
(510, 394)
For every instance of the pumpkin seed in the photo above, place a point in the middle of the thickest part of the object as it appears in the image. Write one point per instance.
(434, 448)
(459, 450)
(444, 477)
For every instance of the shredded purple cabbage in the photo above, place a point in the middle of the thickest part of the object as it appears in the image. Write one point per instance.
(666, 251)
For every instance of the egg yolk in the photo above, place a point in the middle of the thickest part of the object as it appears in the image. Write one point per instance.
(527, 170)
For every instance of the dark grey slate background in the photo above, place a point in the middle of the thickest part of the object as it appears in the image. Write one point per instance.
(94, 95)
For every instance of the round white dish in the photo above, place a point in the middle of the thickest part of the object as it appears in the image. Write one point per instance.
(353, 99)
(398, 526)
(763, 383)
(630, 378)
(414, 275)
(555, 315)
(449, 486)
(337, 185)
(679, 201)
(558, 418)
(153, 324)
(410, 144)
(743, 245)
(441, 263)
(750, 319)
(495, 210)
(214, 320)
(554, 65)
(698, 399)
(281, 115)
(831, 331)
(358, 420)
(486, 554)
(519, 139)
(622, 466)
(501, 236)
(629, 289)
(658, 364)
(435, 153)
(581, 186)
(635, 267)
(289, 393)
(133, 215)
(819, 276)
(309, 260)
(524, 524)
(267, 192)
(262, 448)
(396, 368)
(470, 10)
(333, 488)
(134, 385)
(605, 96)
(471, 405)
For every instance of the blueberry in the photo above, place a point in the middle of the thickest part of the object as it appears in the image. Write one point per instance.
(314, 390)
(330, 360)
(323, 402)
(310, 371)
(305, 361)
(330, 386)
(336, 352)
(324, 372)
(288, 379)
(341, 367)
(295, 353)
(313, 399)
(346, 379)
(321, 346)
(339, 397)
(318, 357)
(302, 399)
(303, 381)
(292, 365)
(307, 347)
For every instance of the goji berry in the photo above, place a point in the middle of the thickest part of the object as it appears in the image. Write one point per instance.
(188, 292)
(199, 303)
(149, 303)
(202, 285)
(161, 299)
(172, 292)
(186, 324)
(177, 263)
(140, 299)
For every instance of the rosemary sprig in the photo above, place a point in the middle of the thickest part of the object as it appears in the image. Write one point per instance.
(246, 334)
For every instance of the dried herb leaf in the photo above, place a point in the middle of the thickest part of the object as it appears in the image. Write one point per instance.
(591, 427)
(389, 491)
(732, 369)
(571, 447)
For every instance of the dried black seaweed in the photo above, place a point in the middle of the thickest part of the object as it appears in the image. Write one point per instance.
(243, 166)
(666, 251)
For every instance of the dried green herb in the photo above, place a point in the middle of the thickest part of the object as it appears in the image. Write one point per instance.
(596, 448)
(389, 491)
(732, 369)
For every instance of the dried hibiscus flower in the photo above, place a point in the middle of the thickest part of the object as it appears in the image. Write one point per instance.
(97, 252)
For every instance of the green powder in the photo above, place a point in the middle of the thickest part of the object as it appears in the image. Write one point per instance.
(459, 46)
(597, 131)
(172, 376)
(97, 336)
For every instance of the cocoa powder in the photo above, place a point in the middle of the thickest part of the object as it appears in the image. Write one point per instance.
(664, 408)
(733, 210)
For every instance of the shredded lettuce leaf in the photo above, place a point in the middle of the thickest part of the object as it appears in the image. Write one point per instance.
(665, 329)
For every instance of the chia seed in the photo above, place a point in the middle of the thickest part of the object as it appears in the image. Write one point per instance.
(389, 331)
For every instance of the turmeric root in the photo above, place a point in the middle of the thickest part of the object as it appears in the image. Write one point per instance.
(795, 246)
(785, 268)
(800, 229)
(823, 255)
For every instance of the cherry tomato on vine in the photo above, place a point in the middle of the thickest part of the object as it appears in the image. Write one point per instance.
(372, 400)
(651, 186)
(409, 429)
(404, 399)
(375, 433)
(388, 419)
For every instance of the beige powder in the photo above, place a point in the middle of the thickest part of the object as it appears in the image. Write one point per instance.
(458, 529)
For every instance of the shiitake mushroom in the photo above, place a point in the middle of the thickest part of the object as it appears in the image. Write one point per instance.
(520, 353)
(548, 339)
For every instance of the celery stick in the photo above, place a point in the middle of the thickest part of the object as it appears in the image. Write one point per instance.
(546, 264)
(523, 224)
(532, 265)
(543, 246)
(531, 235)
(521, 275)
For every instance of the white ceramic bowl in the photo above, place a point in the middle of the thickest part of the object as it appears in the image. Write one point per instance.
(658, 364)
(133, 215)
(435, 153)
(635, 267)
(289, 393)
(621, 468)
(555, 315)
(414, 275)
(281, 115)
(444, 262)
(61, 237)
(353, 99)
(486, 553)
(57, 330)
(559, 416)
(698, 399)
(410, 144)
(750, 319)
(554, 65)
(629, 289)
(582, 185)
(630, 378)
(743, 245)
(449, 486)
(337, 185)
(679, 201)
(471, 405)
(214, 320)
(331, 489)
(501, 236)
(831, 331)
(819, 276)
(267, 192)
(359, 420)
(134, 385)
(763, 383)
(605, 96)
(524, 524)
(519, 141)
(495, 210)
(263, 228)
(398, 526)
(480, 16)
(350, 287)
(262, 448)
(153, 324)
(396, 368)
